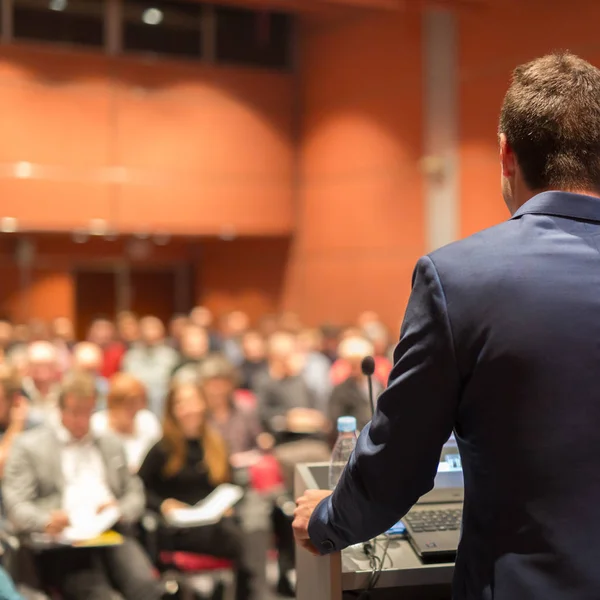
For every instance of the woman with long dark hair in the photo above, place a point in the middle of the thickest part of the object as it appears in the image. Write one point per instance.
(186, 465)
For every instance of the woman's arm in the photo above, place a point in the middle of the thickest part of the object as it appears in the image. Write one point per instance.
(151, 474)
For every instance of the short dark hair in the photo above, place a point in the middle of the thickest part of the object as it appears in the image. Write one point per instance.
(79, 385)
(551, 119)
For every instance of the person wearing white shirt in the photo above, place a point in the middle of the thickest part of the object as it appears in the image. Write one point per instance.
(128, 419)
(59, 479)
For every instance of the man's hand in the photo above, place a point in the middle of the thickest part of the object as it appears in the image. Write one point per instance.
(57, 522)
(305, 506)
(170, 504)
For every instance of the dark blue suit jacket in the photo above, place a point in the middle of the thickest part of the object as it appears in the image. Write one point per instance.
(500, 342)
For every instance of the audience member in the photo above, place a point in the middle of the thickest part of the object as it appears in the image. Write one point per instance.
(340, 370)
(287, 408)
(202, 316)
(128, 419)
(39, 331)
(233, 327)
(181, 470)
(194, 349)
(316, 366)
(177, 325)
(330, 335)
(128, 328)
(239, 427)
(254, 349)
(62, 335)
(87, 357)
(268, 325)
(41, 384)
(103, 333)
(62, 475)
(152, 362)
(351, 397)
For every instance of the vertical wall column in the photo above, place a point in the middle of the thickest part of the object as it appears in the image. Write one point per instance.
(441, 128)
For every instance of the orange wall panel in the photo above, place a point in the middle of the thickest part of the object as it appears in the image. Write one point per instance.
(361, 215)
(217, 142)
(486, 62)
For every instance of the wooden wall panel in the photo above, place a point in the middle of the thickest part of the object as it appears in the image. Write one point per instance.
(181, 147)
(486, 62)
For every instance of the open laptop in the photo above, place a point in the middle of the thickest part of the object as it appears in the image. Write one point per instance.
(433, 525)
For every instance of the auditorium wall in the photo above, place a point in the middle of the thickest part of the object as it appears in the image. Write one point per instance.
(360, 210)
(146, 145)
(494, 39)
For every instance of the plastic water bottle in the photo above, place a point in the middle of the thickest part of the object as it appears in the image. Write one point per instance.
(344, 446)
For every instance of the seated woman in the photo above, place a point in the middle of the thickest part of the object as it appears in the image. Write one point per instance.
(186, 465)
(127, 418)
(239, 427)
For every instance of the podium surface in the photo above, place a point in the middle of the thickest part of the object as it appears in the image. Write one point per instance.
(328, 577)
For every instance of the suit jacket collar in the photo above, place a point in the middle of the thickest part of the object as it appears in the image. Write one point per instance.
(111, 462)
(562, 204)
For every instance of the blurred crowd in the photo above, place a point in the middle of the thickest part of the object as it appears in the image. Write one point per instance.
(159, 415)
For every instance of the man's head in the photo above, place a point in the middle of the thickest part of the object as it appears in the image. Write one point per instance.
(102, 332)
(353, 349)
(194, 342)
(152, 331)
(201, 316)
(87, 357)
(77, 403)
(550, 129)
(42, 362)
(63, 329)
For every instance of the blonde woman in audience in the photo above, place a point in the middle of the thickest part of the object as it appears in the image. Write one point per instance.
(127, 417)
(182, 469)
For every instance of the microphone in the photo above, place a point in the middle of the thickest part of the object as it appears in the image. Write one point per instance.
(367, 366)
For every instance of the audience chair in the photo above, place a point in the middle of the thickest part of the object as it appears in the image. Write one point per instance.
(179, 568)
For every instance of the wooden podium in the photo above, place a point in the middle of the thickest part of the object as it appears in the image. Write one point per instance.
(404, 576)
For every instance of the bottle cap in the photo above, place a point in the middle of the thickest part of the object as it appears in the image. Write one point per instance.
(346, 424)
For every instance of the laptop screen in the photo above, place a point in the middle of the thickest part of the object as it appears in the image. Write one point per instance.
(449, 474)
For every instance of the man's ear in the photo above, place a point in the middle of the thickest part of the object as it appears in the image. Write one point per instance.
(507, 157)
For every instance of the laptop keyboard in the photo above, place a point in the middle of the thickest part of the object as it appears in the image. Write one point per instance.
(433, 520)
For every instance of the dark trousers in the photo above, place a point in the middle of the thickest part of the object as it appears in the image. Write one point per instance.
(225, 539)
(100, 573)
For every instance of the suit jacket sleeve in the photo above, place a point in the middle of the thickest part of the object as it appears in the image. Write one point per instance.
(398, 453)
(19, 491)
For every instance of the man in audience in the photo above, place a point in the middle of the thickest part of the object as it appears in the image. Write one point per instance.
(254, 349)
(287, 411)
(287, 407)
(62, 475)
(201, 316)
(177, 325)
(62, 335)
(41, 384)
(233, 327)
(330, 335)
(151, 361)
(102, 332)
(128, 328)
(316, 366)
(87, 358)
(194, 349)
(351, 397)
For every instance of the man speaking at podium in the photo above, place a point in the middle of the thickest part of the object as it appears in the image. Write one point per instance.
(501, 343)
